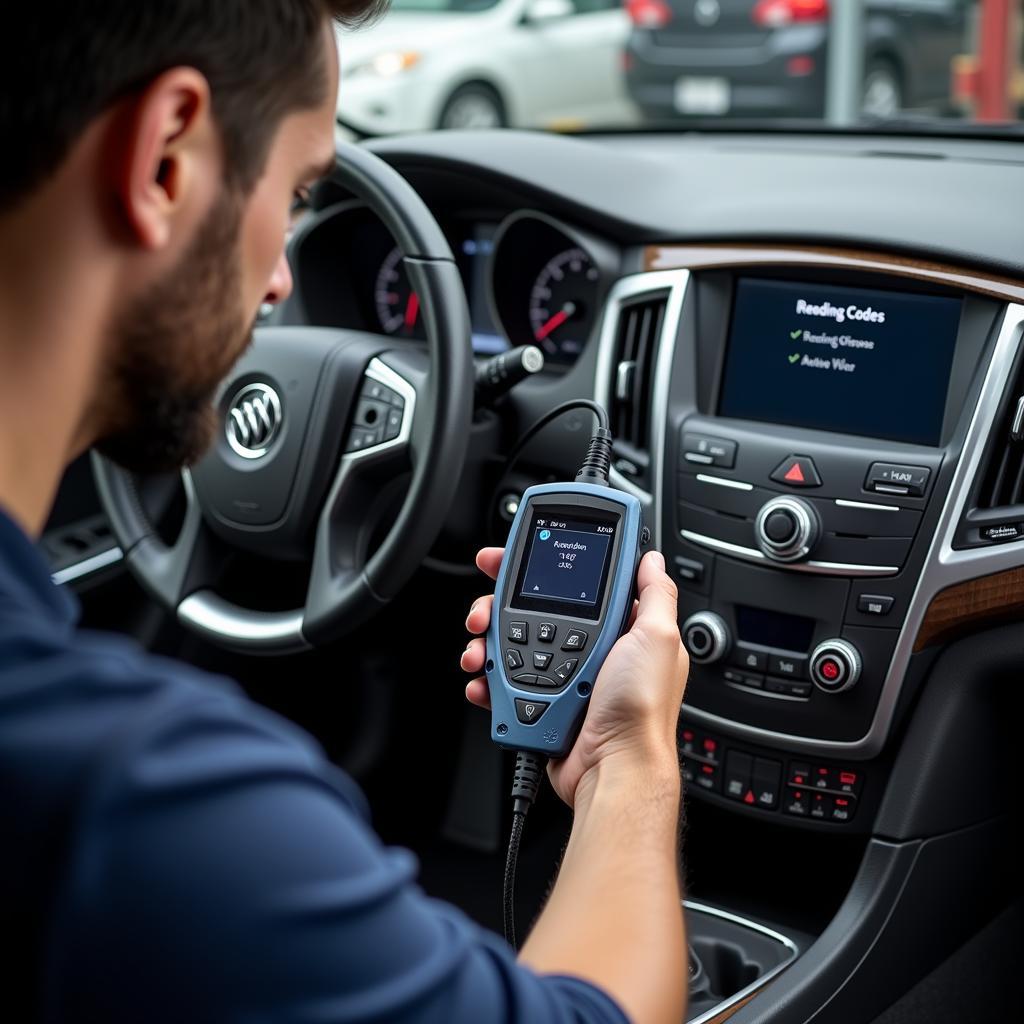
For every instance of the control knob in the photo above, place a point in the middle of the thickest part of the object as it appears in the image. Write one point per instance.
(835, 665)
(706, 637)
(787, 528)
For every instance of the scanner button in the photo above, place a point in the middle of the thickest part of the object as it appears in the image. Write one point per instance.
(546, 632)
(526, 678)
(518, 632)
(513, 659)
(548, 683)
(541, 659)
(566, 669)
(528, 711)
(575, 640)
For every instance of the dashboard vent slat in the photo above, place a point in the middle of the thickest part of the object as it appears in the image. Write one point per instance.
(636, 342)
(1003, 483)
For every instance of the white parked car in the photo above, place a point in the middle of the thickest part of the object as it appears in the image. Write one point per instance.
(486, 64)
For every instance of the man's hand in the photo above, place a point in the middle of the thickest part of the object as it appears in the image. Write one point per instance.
(632, 715)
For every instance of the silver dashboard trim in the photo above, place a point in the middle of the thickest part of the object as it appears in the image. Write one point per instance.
(943, 566)
(622, 292)
(720, 481)
(77, 571)
(846, 503)
(815, 567)
(758, 983)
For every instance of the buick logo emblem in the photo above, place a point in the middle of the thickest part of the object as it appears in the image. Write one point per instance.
(253, 420)
(706, 12)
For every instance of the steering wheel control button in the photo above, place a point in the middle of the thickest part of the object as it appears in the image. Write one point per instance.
(564, 671)
(513, 659)
(889, 478)
(541, 659)
(706, 637)
(835, 666)
(546, 632)
(393, 424)
(575, 640)
(518, 632)
(875, 604)
(786, 528)
(789, 666)
(797, 471)
(702, 450)
(750, 658)
(528, 711)
(361, 438)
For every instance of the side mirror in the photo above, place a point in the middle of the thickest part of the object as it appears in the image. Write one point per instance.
(542, 11)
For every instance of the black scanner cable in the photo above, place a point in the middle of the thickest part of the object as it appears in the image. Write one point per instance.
(530, 766)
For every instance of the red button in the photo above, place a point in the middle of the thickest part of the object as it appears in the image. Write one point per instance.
(830, 670)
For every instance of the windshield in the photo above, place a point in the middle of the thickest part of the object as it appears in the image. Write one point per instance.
(908, 66)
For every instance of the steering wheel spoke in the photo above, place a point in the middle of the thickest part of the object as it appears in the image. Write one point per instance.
(371, 479)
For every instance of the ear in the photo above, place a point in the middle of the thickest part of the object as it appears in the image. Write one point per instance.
(169, 142)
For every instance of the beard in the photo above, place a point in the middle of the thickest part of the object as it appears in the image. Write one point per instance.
(172, 348)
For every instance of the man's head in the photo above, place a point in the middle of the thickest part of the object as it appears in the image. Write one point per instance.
(192, 125)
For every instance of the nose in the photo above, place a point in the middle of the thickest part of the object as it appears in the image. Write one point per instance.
(280, 285)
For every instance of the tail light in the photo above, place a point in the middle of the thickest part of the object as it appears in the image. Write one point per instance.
(649, 13)
(776, 13)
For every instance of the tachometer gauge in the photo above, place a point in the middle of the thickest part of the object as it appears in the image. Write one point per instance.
(562, 302)
(398, 306)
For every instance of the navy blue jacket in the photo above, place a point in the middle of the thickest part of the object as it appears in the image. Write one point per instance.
(170, 851)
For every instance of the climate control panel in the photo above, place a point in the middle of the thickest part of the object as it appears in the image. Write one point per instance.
(774, 785)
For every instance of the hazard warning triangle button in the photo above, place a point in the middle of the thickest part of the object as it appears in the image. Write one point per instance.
(797, 471)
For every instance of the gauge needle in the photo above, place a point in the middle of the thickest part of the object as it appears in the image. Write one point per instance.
(557, 320)
(412, 309)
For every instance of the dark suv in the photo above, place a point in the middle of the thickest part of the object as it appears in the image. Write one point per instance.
(752, 58)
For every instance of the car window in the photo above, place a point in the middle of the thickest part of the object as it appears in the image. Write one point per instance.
(953, 66)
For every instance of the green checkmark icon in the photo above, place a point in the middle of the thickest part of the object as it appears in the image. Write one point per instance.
(796, 334)
(793, 358)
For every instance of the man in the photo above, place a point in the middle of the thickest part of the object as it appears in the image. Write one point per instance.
(170, 851)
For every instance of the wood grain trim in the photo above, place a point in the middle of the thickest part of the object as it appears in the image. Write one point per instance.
(964, 606)
(704, 257)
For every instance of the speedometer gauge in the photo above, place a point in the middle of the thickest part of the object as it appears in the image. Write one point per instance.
(562, 302)
(398, 306)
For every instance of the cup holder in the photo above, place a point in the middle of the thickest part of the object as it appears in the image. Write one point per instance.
(730, 957)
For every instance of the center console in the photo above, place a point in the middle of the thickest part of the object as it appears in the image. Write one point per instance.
(813, 433)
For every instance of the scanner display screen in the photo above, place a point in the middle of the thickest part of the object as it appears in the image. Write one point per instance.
(565, 563)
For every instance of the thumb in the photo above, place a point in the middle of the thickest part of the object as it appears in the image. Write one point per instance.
(657, 595)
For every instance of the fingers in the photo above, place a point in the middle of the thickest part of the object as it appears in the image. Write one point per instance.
(479, 617)
(472, 659)
(656, 606)
(478, 694)
(488, 560)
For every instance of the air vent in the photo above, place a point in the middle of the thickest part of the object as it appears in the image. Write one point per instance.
(1004, 482)
(636, 342)
(997, 511)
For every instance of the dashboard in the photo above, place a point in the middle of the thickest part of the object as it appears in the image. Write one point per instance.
(529, 279)
(810, 351)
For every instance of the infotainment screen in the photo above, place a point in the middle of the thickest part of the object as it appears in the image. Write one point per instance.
(851, 360)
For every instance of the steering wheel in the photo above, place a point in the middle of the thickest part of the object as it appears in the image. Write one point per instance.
(318, 428)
